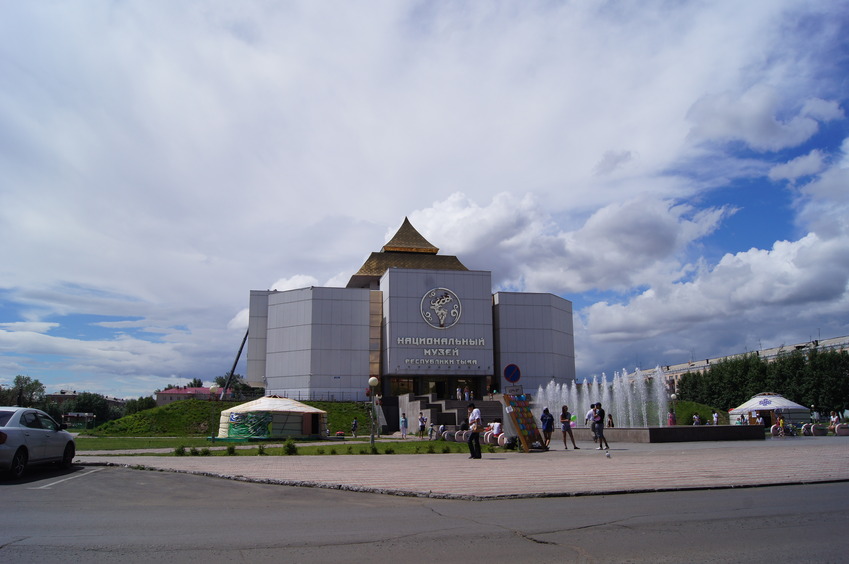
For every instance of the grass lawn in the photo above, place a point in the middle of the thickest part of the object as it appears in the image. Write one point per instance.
(219, 448)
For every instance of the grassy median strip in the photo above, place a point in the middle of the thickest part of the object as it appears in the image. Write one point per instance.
(200, 446)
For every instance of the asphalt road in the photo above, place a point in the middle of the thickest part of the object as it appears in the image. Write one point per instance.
(110, 514)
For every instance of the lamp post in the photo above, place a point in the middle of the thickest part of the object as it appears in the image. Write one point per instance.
(373, 382)
(673, 397)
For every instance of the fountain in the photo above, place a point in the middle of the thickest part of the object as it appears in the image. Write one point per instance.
(639, 404)
(634, 400)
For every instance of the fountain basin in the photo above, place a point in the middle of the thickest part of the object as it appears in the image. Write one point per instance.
(676, 434)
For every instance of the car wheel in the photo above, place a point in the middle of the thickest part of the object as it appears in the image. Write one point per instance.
(19, 464)
(68, 456)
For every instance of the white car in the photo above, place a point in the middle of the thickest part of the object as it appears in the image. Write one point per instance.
(30, 436)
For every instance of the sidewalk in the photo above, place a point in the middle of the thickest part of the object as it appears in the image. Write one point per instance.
(631, 467)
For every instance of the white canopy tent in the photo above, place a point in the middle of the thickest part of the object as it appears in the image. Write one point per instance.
(768, 404)
(272, 417)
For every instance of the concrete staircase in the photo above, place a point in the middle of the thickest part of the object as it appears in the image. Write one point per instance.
(449, 412)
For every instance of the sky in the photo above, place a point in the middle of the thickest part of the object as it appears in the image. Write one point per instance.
(678, 170)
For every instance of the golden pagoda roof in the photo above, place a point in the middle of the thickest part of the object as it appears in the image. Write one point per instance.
(408, 240)
(407, 249)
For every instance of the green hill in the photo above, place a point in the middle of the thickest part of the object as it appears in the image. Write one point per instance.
(684, 411)
(201, 418)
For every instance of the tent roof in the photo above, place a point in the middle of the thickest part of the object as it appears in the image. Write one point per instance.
(274, 403)
(768, 401)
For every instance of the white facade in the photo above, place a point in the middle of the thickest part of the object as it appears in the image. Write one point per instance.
(534, 332)
(425, 331)
(309, 343)
(413, 346)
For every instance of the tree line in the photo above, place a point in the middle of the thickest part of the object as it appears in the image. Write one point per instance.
(810, 378)
(29, 392)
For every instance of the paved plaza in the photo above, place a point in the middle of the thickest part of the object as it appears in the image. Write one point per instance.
(631, 467)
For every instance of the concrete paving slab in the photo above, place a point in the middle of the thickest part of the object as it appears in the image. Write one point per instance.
(631, 467)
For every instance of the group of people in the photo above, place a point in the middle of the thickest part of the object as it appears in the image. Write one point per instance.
(547, 424)
(465, 394)
(596, 419)
(714, 419)
(422, 426)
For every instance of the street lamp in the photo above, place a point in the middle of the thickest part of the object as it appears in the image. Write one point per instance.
(673, 397)
(373, 382)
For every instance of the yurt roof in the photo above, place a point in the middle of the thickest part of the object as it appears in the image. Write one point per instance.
(768, 401)
(274, 403)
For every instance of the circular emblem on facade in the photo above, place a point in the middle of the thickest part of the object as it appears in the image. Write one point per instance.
(441, 308)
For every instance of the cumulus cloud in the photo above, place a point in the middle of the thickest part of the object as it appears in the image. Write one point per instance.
(160, 161)
(752, 117)
(619, 246)
(293, 282)
(745, 298)
(806, 165)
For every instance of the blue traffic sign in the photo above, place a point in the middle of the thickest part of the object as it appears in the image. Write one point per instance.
(512, 373)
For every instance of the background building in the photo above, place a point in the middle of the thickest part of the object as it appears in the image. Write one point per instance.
(421, 322)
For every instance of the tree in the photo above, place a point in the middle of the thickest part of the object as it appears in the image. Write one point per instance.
(136, 405)
(25, 392)
(88, 402)
(238, 387)
(195, 383)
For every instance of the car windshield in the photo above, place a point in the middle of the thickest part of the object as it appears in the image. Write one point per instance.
(4, 417)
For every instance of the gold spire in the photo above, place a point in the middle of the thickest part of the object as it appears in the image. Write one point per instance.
(408, 240)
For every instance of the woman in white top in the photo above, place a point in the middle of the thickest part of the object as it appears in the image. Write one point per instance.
(496, 427)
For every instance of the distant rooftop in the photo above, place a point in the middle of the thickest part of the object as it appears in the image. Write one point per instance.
(833, 344)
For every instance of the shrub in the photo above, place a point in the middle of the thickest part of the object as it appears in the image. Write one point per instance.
(180, 451)
(194, 451)
(231, 450)
(319, 450)
(260, 449)
(289, 447)
(205, 451)
(333, 451)
(446, 449)
(431, 449)
(387, 450)
(350, 450)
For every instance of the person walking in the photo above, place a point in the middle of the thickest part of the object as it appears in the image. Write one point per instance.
(671, 420)
(422, 425)
(354, 426)
(588, 420)
(599, 427)
(475, 427)
(547, 421)
(403, 425)
(566, 427)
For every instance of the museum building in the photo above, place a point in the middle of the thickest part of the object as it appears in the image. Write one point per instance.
(421, 322)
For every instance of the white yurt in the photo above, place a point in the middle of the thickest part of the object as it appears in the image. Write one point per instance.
(768, 405)
(272, 417)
